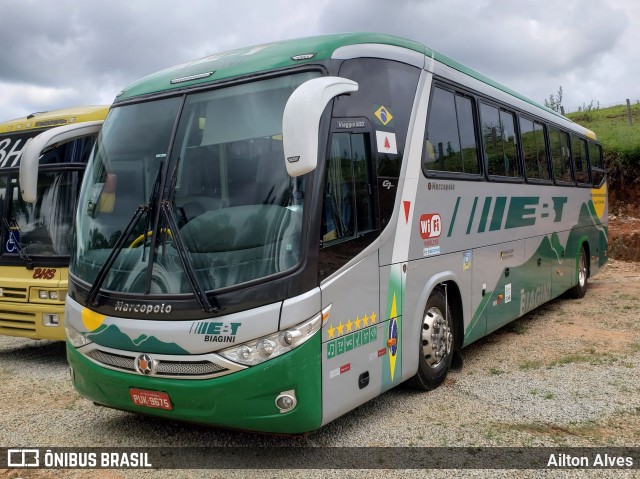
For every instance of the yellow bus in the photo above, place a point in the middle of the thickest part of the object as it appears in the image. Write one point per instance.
(36, 236)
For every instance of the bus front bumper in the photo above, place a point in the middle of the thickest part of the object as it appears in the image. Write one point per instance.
(241, 400)
(34, 321)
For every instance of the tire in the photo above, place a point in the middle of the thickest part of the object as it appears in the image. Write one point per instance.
(582, 267)
(436, 353)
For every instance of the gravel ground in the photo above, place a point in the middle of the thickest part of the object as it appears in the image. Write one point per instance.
(566, 374)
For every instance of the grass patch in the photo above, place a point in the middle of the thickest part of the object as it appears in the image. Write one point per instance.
(531, 364)
(518, 327)
(627, 296)
(635, 347)
(496, 371)
(549, 396)
(611, 125)
(593, 359)
(620, 141)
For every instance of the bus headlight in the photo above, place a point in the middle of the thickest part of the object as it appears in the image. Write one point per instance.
(75, 337)
(268, 347)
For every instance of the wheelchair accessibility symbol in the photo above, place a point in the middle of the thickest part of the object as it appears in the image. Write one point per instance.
(11, 245)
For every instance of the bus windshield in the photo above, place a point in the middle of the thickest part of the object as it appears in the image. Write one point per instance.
(44, 228)
(228, 205)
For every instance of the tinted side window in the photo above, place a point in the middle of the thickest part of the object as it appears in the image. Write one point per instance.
(597, 163)
(580, 164)
(385, 96)
(451, 141)
(348, 206)
(534, 150)
(500, 141)
(560, 159)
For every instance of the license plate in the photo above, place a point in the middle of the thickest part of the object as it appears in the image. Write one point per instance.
(153, 399)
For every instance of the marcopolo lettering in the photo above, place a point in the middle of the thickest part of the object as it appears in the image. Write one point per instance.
(143, 308)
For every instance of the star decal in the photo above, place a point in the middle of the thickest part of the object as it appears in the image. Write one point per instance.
(330, 331)
(348, 324)
(365, 320)
(373, 317)
(340, 328)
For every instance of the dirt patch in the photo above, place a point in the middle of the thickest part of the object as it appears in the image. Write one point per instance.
(605, 338)
(624, 229)
(592, 332)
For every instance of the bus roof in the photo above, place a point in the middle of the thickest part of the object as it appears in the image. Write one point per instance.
(48, 119)
(253, 59)
(289, 53)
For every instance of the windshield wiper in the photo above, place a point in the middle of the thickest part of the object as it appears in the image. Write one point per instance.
(117, 248)
(28, 261)
(167, 212)
(197, 288)
(102, 274)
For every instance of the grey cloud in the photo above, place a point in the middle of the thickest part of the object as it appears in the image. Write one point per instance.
(84, 52)
(525, 44)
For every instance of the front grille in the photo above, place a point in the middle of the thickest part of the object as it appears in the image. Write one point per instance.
(13, 294)
(12, 322)
(115, 360)
(201, 368)
(181, 367)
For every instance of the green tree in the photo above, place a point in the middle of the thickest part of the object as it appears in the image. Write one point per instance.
(555, 101)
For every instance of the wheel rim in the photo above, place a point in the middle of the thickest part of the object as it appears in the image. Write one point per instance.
(582, 269)
(437, 337)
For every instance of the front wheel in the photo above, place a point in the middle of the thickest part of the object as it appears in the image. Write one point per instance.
(436, 343)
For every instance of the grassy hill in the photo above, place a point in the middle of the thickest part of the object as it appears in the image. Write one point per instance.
(621, 144)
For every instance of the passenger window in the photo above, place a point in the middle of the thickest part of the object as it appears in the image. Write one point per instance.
(560, 159)
(534, 150)
(597, 163)
(579, 153)
(450, 145)
(348, 205)
(500, 142)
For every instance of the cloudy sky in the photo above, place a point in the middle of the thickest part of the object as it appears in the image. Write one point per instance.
(69, 52)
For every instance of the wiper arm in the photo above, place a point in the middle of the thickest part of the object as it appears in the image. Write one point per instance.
(21, 252)
(102, 274)
(197, 288)
(117, 248)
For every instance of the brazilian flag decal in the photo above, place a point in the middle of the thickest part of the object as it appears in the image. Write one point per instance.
(392, 367)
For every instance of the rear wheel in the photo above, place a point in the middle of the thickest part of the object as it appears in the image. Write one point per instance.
(436, 343)
(580, 288)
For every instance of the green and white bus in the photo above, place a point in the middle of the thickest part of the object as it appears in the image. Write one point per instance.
(270, 237)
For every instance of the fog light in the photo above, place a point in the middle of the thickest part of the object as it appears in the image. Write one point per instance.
(43, 294)
(286, 401)
(51, 320)
(53, 295)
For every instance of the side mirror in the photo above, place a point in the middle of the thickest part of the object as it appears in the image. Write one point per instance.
(301, 120)
(30, 159)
